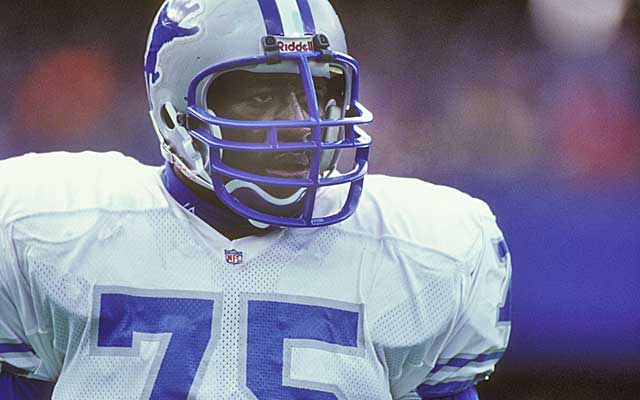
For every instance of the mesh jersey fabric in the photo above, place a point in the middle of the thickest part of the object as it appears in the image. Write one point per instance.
(374, 307)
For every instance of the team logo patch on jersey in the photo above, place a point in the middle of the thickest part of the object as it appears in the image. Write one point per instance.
(233, 257)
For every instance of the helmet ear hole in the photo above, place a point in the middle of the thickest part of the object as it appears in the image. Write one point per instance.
(166, 117)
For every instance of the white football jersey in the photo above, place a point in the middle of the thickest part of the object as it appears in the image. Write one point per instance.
(113, 290)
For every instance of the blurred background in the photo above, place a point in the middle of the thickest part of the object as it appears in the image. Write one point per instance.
(532, 106)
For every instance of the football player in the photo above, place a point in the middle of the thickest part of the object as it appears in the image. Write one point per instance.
(248, 267)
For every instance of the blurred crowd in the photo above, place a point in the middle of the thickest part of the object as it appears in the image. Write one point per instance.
(480, 90)
(532, 105)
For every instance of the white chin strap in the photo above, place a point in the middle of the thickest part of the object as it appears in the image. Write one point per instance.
(264, 197)
(236, 184)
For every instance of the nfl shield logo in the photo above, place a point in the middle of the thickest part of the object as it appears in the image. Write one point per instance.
(233, 257)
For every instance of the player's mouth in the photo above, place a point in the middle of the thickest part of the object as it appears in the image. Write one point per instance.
(290, 165)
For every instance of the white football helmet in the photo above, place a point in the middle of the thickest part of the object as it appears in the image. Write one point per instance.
(192, 42)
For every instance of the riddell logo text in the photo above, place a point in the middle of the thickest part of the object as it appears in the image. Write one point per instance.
(295, 46)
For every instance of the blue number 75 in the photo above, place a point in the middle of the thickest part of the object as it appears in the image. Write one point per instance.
(185, 322)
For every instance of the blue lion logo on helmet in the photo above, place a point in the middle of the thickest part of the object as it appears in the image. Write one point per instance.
(167, 28)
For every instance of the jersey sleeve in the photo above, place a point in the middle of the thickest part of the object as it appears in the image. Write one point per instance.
(479, 336)
(20, 338)
(450, 323)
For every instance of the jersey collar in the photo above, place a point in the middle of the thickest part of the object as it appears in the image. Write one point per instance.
(213, 212)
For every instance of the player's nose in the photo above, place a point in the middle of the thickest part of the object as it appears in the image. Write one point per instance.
(293, 110)
(294, 107)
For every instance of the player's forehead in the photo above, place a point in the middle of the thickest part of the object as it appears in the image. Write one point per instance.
(240, 81)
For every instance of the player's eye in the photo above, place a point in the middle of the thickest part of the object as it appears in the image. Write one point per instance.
(262, 99)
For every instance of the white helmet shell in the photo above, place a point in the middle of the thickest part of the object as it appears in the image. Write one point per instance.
(192, 42)
(188, 36)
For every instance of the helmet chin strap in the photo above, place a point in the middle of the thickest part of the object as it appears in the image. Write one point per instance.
(237, 184)
(175, 160)
(260, 200)
(178, 139)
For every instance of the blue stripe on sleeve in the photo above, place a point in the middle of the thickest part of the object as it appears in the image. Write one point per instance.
(307, 17)
(469, 394)
(272, 19)
(18, 388)
(444, 389)
(461, 362)
(14, 348)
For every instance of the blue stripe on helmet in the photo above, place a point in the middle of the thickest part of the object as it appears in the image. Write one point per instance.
(272, 19)
(307, 17)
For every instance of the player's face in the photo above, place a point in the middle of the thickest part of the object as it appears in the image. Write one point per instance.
(242, 95)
